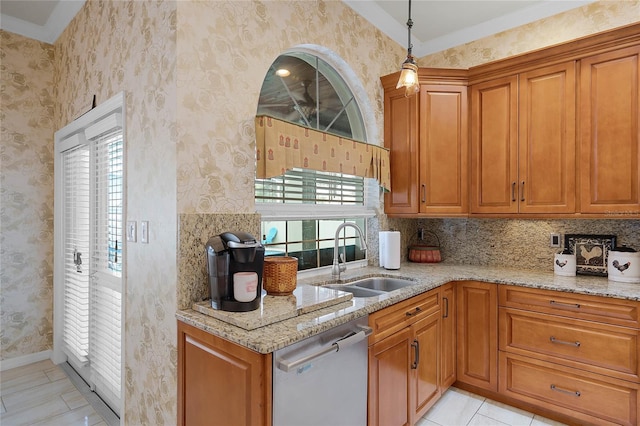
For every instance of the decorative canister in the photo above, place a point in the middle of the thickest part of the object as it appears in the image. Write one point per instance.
(424, 253)
(564, 264)
(623, 265)
(280, 275)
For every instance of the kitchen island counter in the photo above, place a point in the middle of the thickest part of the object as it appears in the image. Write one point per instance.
(280, 334)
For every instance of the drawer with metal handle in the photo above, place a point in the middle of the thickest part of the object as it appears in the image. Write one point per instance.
(591, 398)
(602, 348)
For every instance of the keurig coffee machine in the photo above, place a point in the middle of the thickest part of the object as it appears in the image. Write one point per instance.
(234, 262)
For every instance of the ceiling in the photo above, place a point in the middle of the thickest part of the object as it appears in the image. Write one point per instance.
(438, 24)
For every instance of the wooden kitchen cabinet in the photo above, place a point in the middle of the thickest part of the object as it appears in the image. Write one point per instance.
(428, 142)
(577, 355)
(404, 354)
(523, 142)
(448, 337)
(221, 382)
(610, 133)
(477, 334)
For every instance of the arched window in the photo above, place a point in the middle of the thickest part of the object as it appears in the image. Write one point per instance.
(301, 209)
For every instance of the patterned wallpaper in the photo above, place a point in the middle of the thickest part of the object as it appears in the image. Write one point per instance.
(26, 196)
(576, 23)
(192, 72)
(109, 47)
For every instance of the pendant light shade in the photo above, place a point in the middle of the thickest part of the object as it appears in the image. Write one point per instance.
(409, 69)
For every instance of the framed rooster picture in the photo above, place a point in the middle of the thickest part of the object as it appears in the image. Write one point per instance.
(591, 252)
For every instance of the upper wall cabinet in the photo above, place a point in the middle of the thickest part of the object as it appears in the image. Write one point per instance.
(609, 124)
(427, 136)
(523, 142)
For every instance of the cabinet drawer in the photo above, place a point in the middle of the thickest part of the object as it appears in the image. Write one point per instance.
(588, 397)
(593, 308)
(602, 348)
(389, 320)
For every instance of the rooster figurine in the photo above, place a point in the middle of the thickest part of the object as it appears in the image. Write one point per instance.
(595, 251)
(561, 264)
(620, 267)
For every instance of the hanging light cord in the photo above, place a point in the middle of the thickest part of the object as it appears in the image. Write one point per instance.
(409, 25)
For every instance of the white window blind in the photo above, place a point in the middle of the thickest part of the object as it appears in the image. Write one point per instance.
(76, 177)
(106, 261)
(89, 268)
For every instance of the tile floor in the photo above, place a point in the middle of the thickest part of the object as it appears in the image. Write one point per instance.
(461, 408)
(43, 394)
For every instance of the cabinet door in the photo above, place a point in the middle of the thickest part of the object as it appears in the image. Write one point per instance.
(448, 337)
(609, 126)
(477, 305)
(443, 149)
(425, 364)
(494, 146)
(221, 379)
(401, 137)
(389, 375)
(546, 143)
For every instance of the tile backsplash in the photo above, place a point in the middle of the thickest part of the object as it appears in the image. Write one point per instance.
(521, 243)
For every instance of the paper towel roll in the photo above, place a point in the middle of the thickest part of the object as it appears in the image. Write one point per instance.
(382, 243)
(391, 250)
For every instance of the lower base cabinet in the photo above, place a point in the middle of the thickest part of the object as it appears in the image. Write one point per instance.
(220, 382)
(404, 360)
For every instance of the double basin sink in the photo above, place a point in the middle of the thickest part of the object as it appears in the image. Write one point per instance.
(372, 286)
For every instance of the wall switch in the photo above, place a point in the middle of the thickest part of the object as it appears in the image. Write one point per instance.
(554, 240)
(131, 231)
(144, 231)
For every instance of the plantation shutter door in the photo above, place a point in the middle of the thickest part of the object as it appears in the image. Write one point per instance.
(106, 260)
(76, 176)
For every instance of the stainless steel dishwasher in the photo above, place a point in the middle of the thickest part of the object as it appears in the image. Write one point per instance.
(322, 380)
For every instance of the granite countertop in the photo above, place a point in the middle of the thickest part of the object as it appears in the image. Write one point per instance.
(329, 312)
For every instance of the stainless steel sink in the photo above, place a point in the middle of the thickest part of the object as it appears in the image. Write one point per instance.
(372, 286)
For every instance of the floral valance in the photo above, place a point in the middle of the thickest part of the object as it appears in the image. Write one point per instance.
(282, 146)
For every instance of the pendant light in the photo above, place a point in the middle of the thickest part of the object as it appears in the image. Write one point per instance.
(409, 69)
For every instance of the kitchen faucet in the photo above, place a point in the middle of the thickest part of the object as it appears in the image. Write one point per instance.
(337, 267)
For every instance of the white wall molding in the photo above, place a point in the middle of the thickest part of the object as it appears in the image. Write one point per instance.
(8, 364)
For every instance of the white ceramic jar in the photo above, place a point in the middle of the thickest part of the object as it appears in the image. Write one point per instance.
(624, 266)
(564, 264)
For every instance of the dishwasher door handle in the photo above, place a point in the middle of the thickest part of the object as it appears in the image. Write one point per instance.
(345, 342)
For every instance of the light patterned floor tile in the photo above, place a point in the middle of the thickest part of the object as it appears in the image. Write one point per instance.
(74, 399)
(480, 420)
(55, 373)
(505, 414)
(27, 381)
(83, 416)
(26, 369)
(455, 408)
(36, 395)
(35, 414)
(2, 409)
(543, 421)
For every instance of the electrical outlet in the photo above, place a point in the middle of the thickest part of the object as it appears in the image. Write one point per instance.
(132, 231)
(144, 232)
(554, 240)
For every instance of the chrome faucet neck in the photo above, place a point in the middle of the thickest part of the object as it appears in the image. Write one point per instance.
(341, 267)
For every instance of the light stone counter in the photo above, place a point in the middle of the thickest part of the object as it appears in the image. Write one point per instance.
(428, 276)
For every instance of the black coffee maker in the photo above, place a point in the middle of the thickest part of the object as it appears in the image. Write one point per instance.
(235, 261)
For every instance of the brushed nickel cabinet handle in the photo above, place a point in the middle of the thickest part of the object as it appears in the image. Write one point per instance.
(564, 305)
(424, 193)
(513, 191)
(564, 342)
(568, 392)
(416, 354)
(522, 192)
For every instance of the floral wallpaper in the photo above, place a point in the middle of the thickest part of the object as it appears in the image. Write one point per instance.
(224, 51)
(109, 47)
(191, 72)
(576, 23)
(26, 196)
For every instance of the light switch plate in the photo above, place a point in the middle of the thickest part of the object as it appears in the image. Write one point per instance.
(554, 240)
(132, 231)
(144, 232)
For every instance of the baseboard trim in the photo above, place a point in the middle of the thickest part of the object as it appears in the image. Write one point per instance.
(8, 364)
